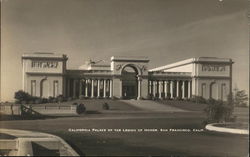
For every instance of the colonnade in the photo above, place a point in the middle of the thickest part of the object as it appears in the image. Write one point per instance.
(103, 88)
(170, 88)
(90, 88)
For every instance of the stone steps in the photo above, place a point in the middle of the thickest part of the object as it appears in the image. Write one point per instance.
(149, 105)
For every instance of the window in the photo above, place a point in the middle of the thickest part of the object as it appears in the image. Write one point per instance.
(203, 94)
(55, 88)
(33, 87)
(223, 92)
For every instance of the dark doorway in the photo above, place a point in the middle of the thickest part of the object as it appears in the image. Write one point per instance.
(129, 82)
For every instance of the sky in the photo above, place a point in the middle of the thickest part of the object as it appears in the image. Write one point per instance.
(165, 31)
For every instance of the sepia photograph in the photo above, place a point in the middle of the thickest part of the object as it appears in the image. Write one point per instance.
(124, 78)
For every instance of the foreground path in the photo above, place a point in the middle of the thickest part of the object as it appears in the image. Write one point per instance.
(149, 105)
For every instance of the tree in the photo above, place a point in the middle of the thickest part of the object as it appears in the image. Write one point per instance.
(240, 98)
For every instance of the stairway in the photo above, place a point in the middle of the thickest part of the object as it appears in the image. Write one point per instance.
(149, 105)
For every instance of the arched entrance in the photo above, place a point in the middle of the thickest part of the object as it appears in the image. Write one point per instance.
(44, 88)
(214, 90)
(129, 82)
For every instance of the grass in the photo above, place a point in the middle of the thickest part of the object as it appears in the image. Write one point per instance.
(135, 143)
(96, 104)
(185, 105)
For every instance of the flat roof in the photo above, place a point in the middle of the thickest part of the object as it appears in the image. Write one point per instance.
(193, 60)
(44, 55)
(130, 58)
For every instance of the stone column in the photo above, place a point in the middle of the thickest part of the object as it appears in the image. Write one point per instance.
(104, 88)
(150, 87)
(189, 89)
(165, 88)
(139, 88)
(160, 88)
(154, 88)
(172, 89)
(98, 88)
(92, 88)
(86, 88)
(177, 88)
(120, 88)
(74, 88)
(183, 89)
(110, 88)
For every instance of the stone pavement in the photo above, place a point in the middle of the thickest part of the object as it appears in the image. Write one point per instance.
(149, 105)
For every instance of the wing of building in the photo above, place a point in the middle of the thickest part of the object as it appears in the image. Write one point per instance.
(46, 74)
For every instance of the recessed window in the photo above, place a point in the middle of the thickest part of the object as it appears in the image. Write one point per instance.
(33, 87)
(55, 88)
(203, 86)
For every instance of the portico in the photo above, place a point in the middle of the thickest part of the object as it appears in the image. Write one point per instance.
(90, 87)
(170, 88)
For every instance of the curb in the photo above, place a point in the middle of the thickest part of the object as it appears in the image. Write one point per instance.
(211, 127)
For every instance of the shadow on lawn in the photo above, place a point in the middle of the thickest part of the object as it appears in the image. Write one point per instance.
(33, 117)
(93, 145)
(92, 112)
(41, 117)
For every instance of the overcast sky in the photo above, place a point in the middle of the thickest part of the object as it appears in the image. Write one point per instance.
(166, 31)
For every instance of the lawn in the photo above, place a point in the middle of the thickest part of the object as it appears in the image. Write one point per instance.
(96, 104)
(138, 143)
(185, 105)
(194, 143)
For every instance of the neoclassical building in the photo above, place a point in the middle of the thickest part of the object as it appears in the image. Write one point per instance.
(46, 74)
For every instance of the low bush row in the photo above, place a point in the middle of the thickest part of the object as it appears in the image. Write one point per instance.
(80, 107)
(25, 98)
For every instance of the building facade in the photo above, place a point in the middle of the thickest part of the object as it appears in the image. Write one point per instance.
(46, 74)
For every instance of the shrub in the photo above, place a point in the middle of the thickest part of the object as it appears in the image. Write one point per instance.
(60, 98)
(50, 99)
(218, 111)
(82, 97)
(240, 98)
(177, 98)
(168, 98)
(23, 102)
(149, 97)
(155, 98)
(198, 99)
(22, 96)
(105, 106)
(38, 101)
(30, 102)
(80, 108)
(44, 100)
(17, 101)
(54, 100)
